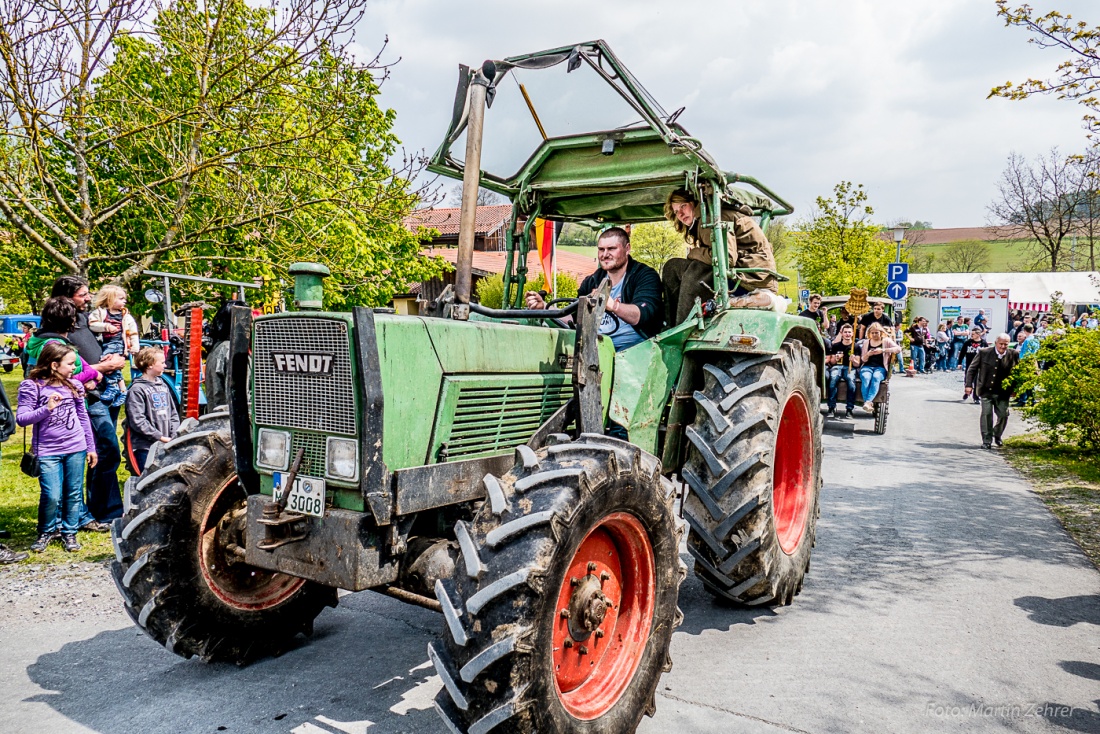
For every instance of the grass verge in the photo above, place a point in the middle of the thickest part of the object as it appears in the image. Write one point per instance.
(1067, 479)
(19, 500)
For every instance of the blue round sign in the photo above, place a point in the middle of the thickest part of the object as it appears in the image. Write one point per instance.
(896, 291)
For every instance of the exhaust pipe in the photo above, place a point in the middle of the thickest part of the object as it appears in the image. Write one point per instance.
(471, 181)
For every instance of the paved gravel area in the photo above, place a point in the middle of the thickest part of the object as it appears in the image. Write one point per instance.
(943, 597)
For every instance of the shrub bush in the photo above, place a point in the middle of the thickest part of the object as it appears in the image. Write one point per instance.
(1063, 378)
(490, 290)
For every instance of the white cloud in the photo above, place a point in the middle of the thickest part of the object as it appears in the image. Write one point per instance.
(799, 93)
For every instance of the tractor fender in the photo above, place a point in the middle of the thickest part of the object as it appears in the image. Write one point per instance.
(759, 332)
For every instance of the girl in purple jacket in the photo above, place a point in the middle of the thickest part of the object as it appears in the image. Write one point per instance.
(53, 403)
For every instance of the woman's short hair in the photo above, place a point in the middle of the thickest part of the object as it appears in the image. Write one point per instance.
(106, 294)
(58, 316)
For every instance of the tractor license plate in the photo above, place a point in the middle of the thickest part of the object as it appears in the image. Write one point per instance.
(307, 496)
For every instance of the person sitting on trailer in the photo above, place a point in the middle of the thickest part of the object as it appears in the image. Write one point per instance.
(877, 316)
(635, 300)
(689, 278)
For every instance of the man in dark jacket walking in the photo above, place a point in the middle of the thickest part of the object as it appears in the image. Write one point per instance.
(986, 377)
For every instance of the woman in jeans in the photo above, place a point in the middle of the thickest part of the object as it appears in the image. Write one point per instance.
(53, 403)
(943, 346)
(874, 357)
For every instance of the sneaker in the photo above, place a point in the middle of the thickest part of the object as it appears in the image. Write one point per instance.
(868, 407)
(7, 555)
(987, 446)
(831, 413)
(69, 543)
(998, 441)
(847, 412)
(43, 540)
(95, 526)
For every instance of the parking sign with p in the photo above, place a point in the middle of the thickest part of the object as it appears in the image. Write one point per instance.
(897, 272)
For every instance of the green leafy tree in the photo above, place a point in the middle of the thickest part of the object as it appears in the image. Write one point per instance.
(781, 238)
(838, 247)
(216, 138)
(1066, 391)
(967, 256)
(26, 274)
(655, 243)
(1077, 75)
(577, 235)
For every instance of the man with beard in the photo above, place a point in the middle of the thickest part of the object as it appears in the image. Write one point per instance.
(104, 496)
(635, 299)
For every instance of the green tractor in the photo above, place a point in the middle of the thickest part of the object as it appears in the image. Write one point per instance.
(460, 461)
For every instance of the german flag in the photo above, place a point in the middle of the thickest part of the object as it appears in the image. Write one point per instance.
(546, 235)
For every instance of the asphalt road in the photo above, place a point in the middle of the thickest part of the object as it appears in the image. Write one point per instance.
(943, 597)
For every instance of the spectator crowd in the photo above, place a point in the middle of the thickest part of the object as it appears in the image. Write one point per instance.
(70, 401)
(864, 349)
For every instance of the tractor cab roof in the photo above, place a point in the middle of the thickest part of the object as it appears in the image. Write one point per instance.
(598, 146)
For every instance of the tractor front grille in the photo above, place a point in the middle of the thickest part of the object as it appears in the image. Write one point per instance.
(315, 402)
(493, 419)
(313, 462)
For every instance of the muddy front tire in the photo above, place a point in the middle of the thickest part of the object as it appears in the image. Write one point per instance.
(562, 607)
(176, 564)
(754, 475)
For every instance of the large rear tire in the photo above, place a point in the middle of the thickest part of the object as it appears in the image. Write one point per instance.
(177, 561)
(561, 611)
(754, 475)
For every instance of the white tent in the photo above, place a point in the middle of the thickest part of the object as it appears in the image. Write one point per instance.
(1026, 291)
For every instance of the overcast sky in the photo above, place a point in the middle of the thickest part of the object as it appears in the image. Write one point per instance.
(799, 93)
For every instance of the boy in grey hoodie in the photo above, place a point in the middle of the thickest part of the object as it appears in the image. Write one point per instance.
(150, 411)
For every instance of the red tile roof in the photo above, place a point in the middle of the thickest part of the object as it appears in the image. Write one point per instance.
(577, 266)
(489, 219)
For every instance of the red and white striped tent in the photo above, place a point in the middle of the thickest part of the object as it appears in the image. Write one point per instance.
(1029, 292)
(1029, 306)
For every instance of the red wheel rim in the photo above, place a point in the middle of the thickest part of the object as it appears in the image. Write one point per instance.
(793, 477)
(592, 672)
(237, 584)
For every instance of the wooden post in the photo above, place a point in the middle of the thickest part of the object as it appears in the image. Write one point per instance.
(471, 182)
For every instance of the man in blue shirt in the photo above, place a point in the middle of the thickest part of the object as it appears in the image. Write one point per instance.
(1031, 342)
(979, 321)
(635, 298)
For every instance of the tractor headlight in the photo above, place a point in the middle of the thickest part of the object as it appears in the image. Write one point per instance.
(342, 458)
(274, 449)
